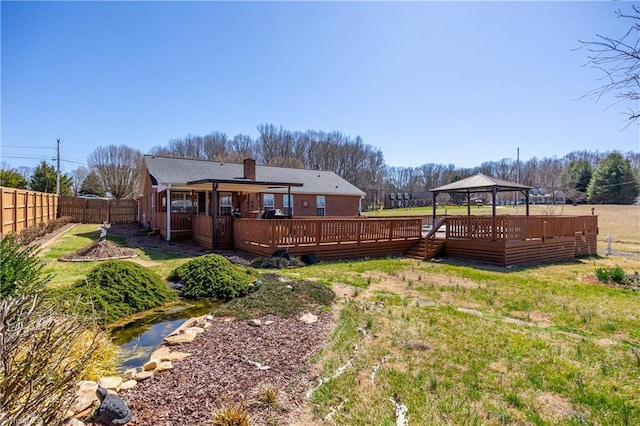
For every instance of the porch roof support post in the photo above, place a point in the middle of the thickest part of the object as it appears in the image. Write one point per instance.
(526, 198)
(214, 216)
(289, 201)
(433, 196)
(468, 203)
(169, 213)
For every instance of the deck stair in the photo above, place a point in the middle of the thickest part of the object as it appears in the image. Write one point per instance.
(429, 246)
(425, 248)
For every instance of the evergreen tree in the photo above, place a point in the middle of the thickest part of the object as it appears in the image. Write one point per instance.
(613, 182)
(43, 179)
(12, 179)
(92, 184)
(575, 180)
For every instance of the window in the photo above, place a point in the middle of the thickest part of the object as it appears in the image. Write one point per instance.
(225, 204)
(181, 203)
(320, 206)
(268, 202)
(285, 204)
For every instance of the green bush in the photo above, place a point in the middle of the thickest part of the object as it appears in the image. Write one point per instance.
(118, 289)
(20, 269)
(214, 276)
(603, 274)
(276, 262)
(617, 274)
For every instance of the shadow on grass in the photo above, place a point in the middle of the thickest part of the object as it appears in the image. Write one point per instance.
(518, 268)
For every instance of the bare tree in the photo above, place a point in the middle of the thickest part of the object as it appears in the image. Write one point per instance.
(118, 167)
(77, 177)
(619, 60)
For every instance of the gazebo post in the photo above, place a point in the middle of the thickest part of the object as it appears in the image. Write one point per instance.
(433, 222)
(494, 193)
(468, 203)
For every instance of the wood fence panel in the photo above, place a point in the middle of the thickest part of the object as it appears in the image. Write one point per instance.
(23, 209)
(96, 210)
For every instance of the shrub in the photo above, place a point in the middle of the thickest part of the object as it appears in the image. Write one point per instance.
(603, 274)
(276, 262)
(617, 274)
(31, 234)
(20, 269)
(233, 415)
(118, 289)
(214, 276)
(43, 355)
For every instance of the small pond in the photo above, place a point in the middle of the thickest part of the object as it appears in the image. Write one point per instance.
(140, 336)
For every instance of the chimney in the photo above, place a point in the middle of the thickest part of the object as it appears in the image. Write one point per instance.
(249, 168)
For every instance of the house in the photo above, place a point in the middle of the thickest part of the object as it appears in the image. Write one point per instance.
(176, 193)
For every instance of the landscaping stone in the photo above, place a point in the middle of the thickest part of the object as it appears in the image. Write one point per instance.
(82, 402)
(161, 352)
(178, 339)
(308, 318)
(129, 384)
(143, 375)
(163, 366)
(254, 322)
(110, 382)
(194, 330)
(128, 375)
(150, 365)
(175, 356)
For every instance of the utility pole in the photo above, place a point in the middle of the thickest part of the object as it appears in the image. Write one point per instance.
(58, 171)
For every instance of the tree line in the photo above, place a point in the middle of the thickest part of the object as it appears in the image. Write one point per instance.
(600, 177)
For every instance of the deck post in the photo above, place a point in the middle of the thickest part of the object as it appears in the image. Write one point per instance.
(214, 216)
(168, 212)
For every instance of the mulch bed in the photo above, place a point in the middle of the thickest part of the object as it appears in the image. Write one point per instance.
(99, 250)
(218, 374)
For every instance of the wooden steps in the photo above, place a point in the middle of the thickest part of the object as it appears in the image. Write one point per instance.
(425, 248)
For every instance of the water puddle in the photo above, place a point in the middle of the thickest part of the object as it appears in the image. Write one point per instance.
(139, 337)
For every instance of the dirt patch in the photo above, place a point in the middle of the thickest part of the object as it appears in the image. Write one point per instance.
(100, 250)
(554, 406)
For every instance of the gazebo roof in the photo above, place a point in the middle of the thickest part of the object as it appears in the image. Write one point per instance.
(481, 183)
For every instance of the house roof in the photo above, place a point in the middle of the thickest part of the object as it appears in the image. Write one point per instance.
(481, 183)
(199, 174)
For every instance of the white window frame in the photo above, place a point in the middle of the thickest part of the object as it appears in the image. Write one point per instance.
(286, 209)
(321, 204)
(271, 205)
(226, 203)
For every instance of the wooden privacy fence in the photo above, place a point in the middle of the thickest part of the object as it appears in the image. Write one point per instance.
(23, 209)
(98, 210)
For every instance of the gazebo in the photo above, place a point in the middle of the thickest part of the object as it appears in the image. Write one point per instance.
(481, 183)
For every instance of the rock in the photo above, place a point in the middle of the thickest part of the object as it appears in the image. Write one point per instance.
(308, 318)
(74, 422)
(128, 375)
(175, 356)
(129, 384)
(85, 413)
(82, 402)
(160, 353)
(112, 410)
(110, 382)
(86, 386)
(143, 375)
(69, 414)
(163, 366)
(268, 322)
(254, 322)
(209, 317)
(177, 339)
(194, 330)
(150, 365)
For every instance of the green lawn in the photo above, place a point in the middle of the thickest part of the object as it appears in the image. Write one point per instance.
(463, 344)
(82, 235)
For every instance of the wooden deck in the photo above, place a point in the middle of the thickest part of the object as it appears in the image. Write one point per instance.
(516, 240)
(500, 240)
(327, 238)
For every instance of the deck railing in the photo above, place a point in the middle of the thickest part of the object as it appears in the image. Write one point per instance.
(276, 233)
(518, 228)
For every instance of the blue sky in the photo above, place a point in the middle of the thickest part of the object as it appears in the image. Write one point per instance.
(425, 82)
